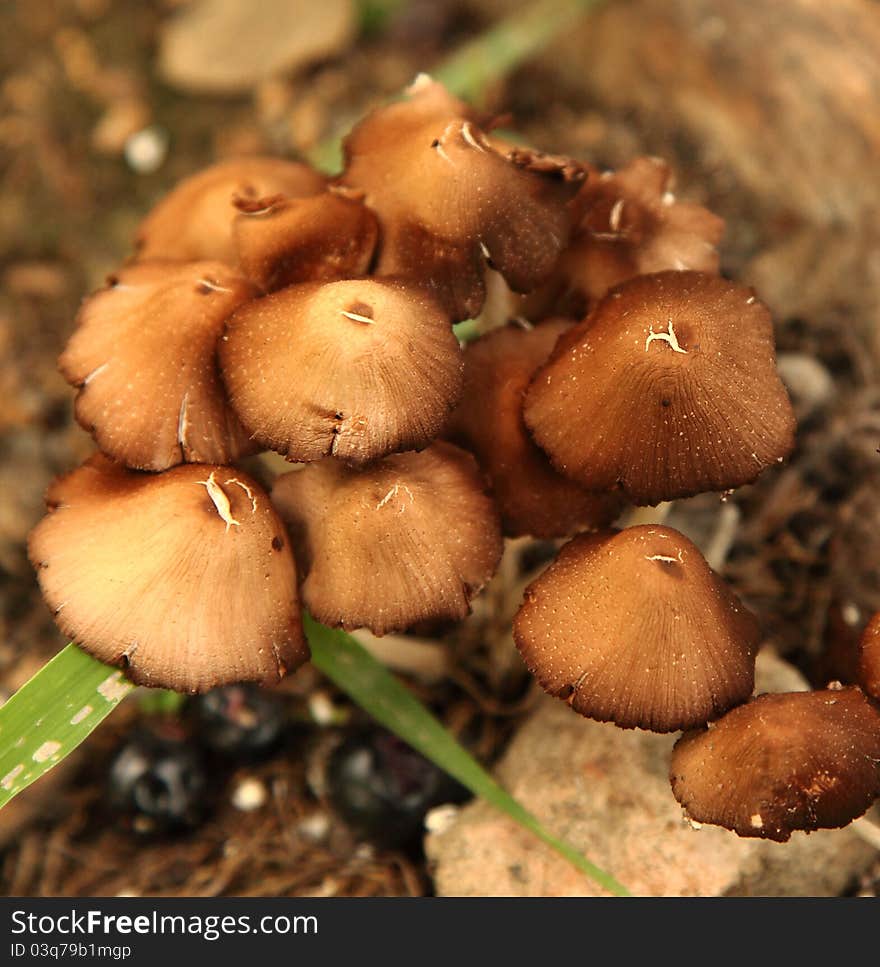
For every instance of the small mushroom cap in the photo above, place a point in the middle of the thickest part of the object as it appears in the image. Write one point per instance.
(631, 225)
(869, 658)
(450, 201)
(354, 369)
(184, 579)
(804, 760)
(668, 389)
(282, 241)
(409, 538)
(194, 221)
(144, 359)
(635, 628)
(532, 497)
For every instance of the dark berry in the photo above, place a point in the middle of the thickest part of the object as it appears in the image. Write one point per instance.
(160, 781)
(244, 721)
(382, 788)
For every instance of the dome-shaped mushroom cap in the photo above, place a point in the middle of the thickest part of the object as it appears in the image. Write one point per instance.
(450, 201)
(282, 241)
(409, 538)
(805, 760)
(194, 220)
(353, 369)
(668, 389)
(144, 359)
(532, 497)
(869, 658)
(635, 628)
(631, 225)
(185, 579)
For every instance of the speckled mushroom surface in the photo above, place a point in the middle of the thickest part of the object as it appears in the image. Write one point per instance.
(184, 579)
(354, 369)
(533, 497)
(631, 224)
(668, 389)
(798, 761)
(635, 628)
(409, 538)
(144, 358)
(282, 241)
(194, 221)
(452, 201)
(869, 658)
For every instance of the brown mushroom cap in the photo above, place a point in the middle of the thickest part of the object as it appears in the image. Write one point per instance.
(805, 760)
(532, 497)
(635, 628)
(631, 225)
(869, 658)
(282, 241)
(450, 202)
(185, 579)
(668, 389)
(353, 369)
(194, 221)
(409, 538)
(144, 359)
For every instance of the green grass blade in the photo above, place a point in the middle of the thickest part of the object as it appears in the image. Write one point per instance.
(487, 58)
(48, 717)
(377, 691)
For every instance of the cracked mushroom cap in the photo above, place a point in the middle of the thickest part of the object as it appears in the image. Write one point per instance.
(869, 658)
(194, 220)
(144, 360)
(635, 628)
(532, 497)
(668, 389)
(452, 203)
(804, 760)
(282, 241)
(354, 369)
(409, 538)
(185, 579)
(631, 225)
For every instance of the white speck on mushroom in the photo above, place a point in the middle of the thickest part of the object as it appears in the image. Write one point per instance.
(183, 422)
(220, 500)
(667, 337)
(46, 751)
(392, 493)
(94, 373)
(615, 216)
(213, 286)
(357, 317)
(468, 135)
(757, 821)
(81, 715)
(251, 496)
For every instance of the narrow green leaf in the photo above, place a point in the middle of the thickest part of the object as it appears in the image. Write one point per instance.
(48, 717)
(487, 58)
(342, 659)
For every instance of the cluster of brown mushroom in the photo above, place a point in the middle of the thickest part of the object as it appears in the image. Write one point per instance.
(269, 307)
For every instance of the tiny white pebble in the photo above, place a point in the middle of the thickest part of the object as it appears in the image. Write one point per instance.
(441, 818)
(146, 150)
(314, 827)
(249, 794)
